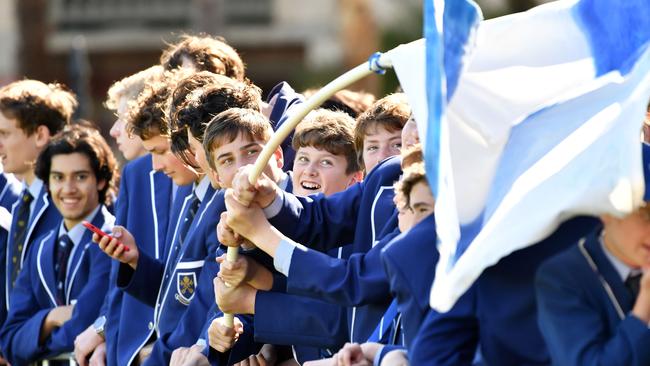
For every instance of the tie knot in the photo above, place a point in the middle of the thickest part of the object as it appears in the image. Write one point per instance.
(64, 240)
(27, 197)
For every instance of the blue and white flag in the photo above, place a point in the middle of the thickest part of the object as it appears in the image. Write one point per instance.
(543, 125)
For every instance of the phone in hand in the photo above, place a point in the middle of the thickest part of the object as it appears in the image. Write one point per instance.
(99, 232)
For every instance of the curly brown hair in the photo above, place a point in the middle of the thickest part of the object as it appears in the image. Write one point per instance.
(146, 117)
(331, 131)
(411, 176)
(33, 103)
(82, 137)
(206, 53)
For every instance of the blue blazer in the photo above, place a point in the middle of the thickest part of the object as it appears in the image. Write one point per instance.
(505, 305)
(286, 101)
(410, 262)
(10, 189)
(45, 217)
(581, 322)
(144, 208)
(185, 307)
(34, 296)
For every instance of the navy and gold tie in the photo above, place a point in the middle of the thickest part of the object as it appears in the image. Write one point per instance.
(63, 250)
(189, 218)
(20, 233)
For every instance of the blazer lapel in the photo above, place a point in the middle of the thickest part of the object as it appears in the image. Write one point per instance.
(609, 273)
(45, 264)
(41, 205)
(161, 193)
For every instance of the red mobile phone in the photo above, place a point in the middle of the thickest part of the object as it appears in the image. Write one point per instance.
(99, 232)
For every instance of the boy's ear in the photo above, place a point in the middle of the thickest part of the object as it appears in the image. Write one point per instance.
(101, 184)
(356, 177)
(42, 136)
(279, 157)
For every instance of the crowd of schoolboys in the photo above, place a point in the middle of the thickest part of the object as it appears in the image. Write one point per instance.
(337, 237)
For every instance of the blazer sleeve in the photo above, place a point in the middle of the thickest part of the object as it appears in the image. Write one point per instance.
(144, 282)
(359, 280)
(313, 323)
(320, 222)
(450, 338)
(575, 332)
(19, 336)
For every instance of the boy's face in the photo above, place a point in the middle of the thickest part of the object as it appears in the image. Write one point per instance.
(163, 160)
(231, 156)
(200, 158)
(628, 238)
(319, 171)
(130, 146)
(421, 201)
(73, 187)
(379, 144)
(18, 150)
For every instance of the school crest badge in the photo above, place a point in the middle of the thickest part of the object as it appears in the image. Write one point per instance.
(185, 286)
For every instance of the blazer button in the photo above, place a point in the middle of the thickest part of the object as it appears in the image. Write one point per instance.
(150, 325)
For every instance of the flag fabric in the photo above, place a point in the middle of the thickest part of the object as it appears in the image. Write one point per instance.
(543, 124)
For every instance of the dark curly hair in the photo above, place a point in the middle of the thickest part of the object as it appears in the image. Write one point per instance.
(201, 96)
(33, 103)
(207, 53)
(81, 137)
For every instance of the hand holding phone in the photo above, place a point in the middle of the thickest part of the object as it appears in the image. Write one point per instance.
(99, 232)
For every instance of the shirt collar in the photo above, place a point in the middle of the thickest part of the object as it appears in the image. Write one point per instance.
(284, 181)
(202, 188)
(621, 268)
(34, 188)
(77, 232)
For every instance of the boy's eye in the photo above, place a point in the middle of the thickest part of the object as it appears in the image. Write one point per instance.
(82, 177)
(226, 161)
(303, 159)
(252, 152)
(397, 146)
(326, 163)
(56, 177)
(372, 148)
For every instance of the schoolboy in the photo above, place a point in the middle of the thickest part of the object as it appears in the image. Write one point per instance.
(31, 112)
(147, 219)
(206, 95)
(594, 297)
(146, 120)
(325, 162)
(62, 290)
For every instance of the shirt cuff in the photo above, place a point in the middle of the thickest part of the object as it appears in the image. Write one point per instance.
(378, 357)
(274, 208)
(283, 254)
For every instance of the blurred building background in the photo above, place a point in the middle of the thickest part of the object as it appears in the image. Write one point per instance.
(89, 44)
